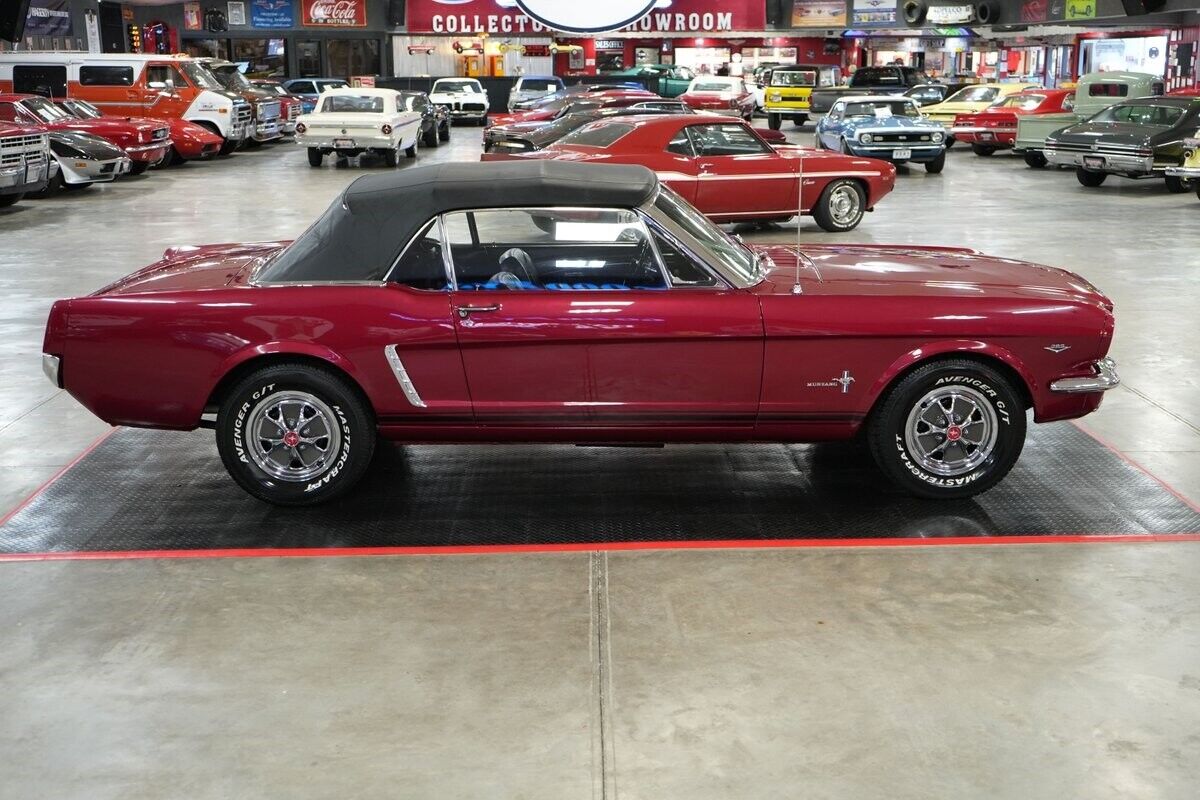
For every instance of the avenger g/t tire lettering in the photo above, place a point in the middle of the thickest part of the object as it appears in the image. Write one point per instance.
(950, 429)
(295, 435)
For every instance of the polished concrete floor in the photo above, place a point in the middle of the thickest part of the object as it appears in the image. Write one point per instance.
(1045, 671)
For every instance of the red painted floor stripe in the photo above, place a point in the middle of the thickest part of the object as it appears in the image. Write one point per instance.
(575, 547)
(1139, 467)
(50, 481)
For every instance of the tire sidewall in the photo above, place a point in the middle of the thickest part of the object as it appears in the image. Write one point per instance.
(825, 216)
(353, 425)
(888, 434)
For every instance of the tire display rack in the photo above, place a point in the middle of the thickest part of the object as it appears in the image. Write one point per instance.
(141, 490)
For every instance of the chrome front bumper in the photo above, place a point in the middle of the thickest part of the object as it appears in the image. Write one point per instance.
(52, 367)
(1184, 172)
(1105, 378)
(143, 148)
(1113, 162)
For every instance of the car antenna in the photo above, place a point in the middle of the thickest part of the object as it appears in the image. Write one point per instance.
(799, 216)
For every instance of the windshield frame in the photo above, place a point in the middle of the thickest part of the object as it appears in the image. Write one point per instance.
(731, 258)
(200, 76)
(57, 113)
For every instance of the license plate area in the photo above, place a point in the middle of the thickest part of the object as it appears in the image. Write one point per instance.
(986, 136)
(343, 143)
(1095, 162)
(904, 153)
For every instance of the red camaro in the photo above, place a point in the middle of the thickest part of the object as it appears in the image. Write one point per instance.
(189, 141)
(995, 128)
(720, 95)
(146, 142)
(577, 303)
(725, 169)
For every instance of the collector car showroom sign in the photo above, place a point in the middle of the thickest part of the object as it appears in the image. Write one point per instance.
(539, 16)
(335, 13)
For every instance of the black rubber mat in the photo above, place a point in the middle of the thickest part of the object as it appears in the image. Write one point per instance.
(147, 490)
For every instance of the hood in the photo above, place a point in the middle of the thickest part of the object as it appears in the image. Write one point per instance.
(956, 108)
(901, 270)
(892, 123)
(189, 267)
(69, 143)
(1106, 133)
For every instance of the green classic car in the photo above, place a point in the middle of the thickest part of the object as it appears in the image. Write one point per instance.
(1095, 92)
(673, 80)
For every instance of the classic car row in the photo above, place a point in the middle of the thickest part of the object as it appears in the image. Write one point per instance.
(536, 300)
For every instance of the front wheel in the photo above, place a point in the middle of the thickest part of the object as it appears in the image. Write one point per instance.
(411, 152)
(444, 132)
(982, 149)
(949, 429)
(799, 120)
(1090, 179)
(936, 165)
(1198, 190)
(7, 200)
(774, 121)
(1035, 159)
(138, 167)
(228, 146)
(841, 206)
(295, 435)
(315, 156)
(430, 137)
(1175, 184)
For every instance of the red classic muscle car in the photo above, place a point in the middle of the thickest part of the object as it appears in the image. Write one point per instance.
(189, 141)
(290, 106)
(995, 128)
(721, 95)
(145, 142)
(560, 106)
(542, 301)
(725, 169)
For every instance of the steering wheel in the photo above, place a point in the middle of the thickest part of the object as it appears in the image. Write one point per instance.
(524, 264)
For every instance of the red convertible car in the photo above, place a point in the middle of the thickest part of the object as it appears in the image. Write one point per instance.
(146, 142)
(577, 303)
(721, 95)
(725, 169)
(995, 128)
(189, 141)
(559, 106)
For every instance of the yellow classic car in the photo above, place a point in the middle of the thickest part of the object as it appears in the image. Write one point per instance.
(788, 91)
(972, 100)
(1190, 169)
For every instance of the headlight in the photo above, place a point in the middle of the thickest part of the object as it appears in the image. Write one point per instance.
(866, 138)
(776, 97)
(937, 137)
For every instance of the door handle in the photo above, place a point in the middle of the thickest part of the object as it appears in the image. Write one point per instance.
(466, 311)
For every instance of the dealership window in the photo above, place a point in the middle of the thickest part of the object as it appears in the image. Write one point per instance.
(264, 58)
(353, 57)
(106, 76)
(207, 48)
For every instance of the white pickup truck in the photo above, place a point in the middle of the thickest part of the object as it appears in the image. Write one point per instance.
(351, 122)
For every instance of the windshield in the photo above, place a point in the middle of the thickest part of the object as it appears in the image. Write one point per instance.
(84, 110)
(601, 134)
(457, 86)
(882, 108)
(974, 94)
(874, 76)
(343, 103)
(734, 256)
(45, 109)
(794, 77)
(538, 85)
(1141, 114)
(198, 75)
(711, 86)
(231, 78)
(1025, 102)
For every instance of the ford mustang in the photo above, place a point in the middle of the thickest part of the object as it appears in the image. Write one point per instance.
(725, 169)
(542, 301)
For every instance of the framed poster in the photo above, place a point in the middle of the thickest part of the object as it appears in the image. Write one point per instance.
(191, 17)
(333, 13)
(819, 14)
(272, 14)
(237, 13)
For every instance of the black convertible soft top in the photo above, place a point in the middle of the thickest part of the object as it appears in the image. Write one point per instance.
(361, 234)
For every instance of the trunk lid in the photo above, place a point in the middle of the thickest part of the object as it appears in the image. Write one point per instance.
(188, 268)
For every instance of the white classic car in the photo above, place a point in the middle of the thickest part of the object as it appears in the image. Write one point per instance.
(350, 122)
(463, 98)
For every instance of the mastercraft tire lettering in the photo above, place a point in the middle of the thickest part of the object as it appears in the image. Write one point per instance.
(295, 434)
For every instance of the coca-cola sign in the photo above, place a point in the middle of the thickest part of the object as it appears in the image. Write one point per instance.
(335, 13)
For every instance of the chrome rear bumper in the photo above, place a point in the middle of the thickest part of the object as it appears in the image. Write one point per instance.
(52, 367)
(1105, 378)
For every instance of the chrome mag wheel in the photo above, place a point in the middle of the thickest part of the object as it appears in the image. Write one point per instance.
(293, 436)
(844, 205)
(951, 430)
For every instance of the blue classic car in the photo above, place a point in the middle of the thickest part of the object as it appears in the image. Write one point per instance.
(886, 127)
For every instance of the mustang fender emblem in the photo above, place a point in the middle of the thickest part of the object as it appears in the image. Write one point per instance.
(1057, 348)
(844, 381)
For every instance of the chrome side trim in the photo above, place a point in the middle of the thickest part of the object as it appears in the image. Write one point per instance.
(52, 367)
(406, 384)
(1105, 378)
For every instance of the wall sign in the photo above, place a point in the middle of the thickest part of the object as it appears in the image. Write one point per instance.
(819, 14)
(48, 18)
(508, 17)
(272, 14)
(1081, 9)
(873, 12)
(237, 12)
(1034, 10)
(335, 13)
(586, 17)
(950, 15)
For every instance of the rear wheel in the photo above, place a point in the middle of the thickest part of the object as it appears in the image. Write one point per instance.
(411, 152)
(1090, 179)
(949, 429)
(841, 206)
(1176, 185)
(391, 157)
(444, 132)
(983, 149)
(1198, 190)
(774, 121)
(430, 137)
(295, 435)
(937, 165)
(1035, 159)
(7, 200)
(53, 186)
(799, 120)
(315, 156)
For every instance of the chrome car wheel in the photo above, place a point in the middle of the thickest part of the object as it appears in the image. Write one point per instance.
(844, 205)
(292, 436)
(951, 430)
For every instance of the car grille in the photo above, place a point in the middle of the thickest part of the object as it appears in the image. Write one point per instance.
(242, 113)
(457, 106)
(293, 111)
(160, 134)
(15, 150)
(889, 138)
(1101, 149)
(107, 168)
(268, 110)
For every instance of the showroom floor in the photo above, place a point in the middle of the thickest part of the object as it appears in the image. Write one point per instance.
(1052, 670)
